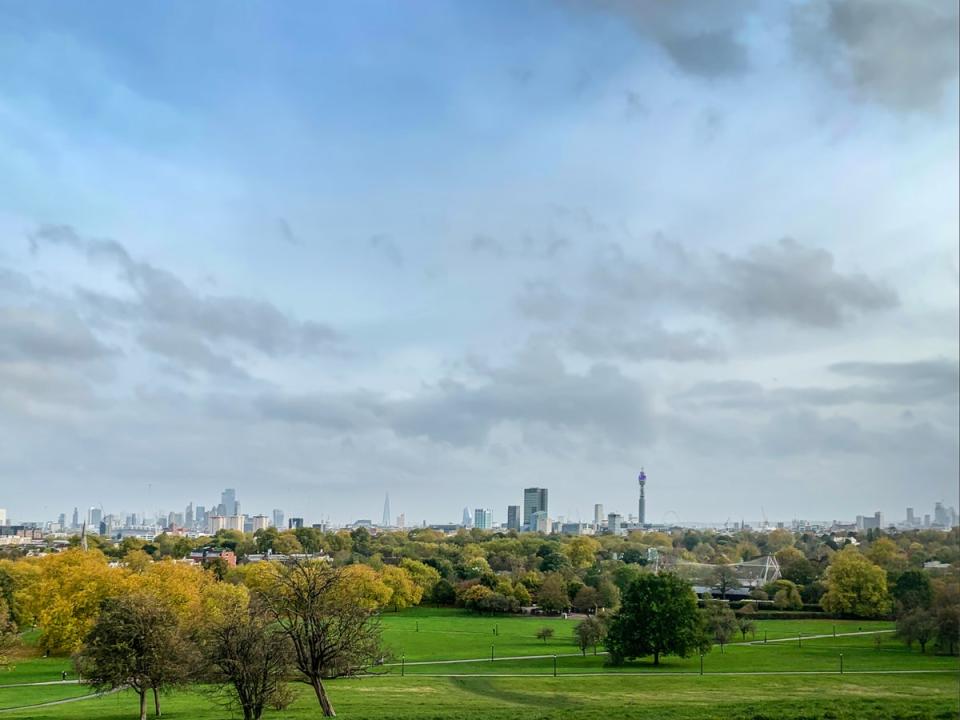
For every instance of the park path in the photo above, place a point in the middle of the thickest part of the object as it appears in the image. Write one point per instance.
(59, 702)
(681, 673)
(815, 637)
(577, 654)
(44, 682)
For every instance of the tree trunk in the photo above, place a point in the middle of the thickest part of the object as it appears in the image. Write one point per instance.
(156, 702)
(325, 703)
(656, 658)
(143, 704)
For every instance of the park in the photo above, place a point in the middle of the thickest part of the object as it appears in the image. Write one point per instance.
(449, 663)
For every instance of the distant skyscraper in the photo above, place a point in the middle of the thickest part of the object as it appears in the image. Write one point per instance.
(597, 515)
(513, 517)
(228, 498)
(940, 515)
(911, 520)
(188, 516)
(386, 511)
(613, 523)
(76, 518)
(534, 501)
(94, 517)
(642, 505)
(295, 522)
(3, 516)
(467, 520)
(278, 518)
(200, 515)
(62, 522)
(482, 519)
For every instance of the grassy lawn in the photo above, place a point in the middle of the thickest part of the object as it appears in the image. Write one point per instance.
(581, 690)
(19, 696)
(599, 698)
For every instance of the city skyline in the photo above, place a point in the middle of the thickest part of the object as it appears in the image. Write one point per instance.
(453, 249)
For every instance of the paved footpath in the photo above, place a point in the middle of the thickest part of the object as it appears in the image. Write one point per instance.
(58, 702)
(576, 654)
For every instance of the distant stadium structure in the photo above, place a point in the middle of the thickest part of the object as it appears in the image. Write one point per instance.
(749, 574)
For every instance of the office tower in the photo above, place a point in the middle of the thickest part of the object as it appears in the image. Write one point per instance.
(642, 504)
(401, 521)
(62, 521)
(540, 522)
(467, 520)
(200, 515)
(76, 518)
(386, 511)
(94, 516)
(215, 523)
(228, 498)
(171, 519)
(278, 518)
(295, 523)
(940, 515)
(188, 516)
(614, 523)
(259, 522)
(3, 516)
(534, 501)
(513, 517)
(482, 519)
(911, 520)
(926, 520)
(597, 515)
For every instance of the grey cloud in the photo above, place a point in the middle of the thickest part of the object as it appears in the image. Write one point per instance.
(385, 245)
(711, 54)
(484, 244)
(786, 281)
(35, 334)
(907, 384)
(537, 391)
(164, 301)
(700, 38)
(645, 341)
(543, 300)
(900, 53)
(186, 349)
(286, 232)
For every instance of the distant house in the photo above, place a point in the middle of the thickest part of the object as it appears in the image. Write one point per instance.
(936, 566)
(206, 555)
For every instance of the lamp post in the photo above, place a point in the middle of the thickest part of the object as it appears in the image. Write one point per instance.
(403, 659)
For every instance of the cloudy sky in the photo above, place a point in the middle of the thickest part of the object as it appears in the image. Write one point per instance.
(322, 251)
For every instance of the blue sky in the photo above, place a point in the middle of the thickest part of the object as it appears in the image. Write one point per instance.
(319, 251)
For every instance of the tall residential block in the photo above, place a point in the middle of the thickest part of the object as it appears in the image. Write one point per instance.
(513, 517)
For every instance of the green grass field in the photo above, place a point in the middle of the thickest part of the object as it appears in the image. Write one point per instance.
(585, 687)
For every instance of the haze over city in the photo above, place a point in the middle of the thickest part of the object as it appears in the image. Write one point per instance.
(449, 252)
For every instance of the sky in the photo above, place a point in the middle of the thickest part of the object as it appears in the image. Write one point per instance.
(323, 251)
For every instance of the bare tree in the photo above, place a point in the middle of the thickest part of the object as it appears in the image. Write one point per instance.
(334, 633)
(248, 654)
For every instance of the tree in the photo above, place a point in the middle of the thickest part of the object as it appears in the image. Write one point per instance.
(8, 633)
(334, 632)
(658, 616)
(745, 624)
(64, 596)
(946, 607)
(443, 593)
(590, 632)
(721, 622)
(918, 625)
(855, 586)
(251, 657)
(544, 633)
(912, 590)
(552, 595)
(425, 577)
(405, 592)
(609, 595)
(581, 551)
(586, 599)
(723, 578)
(134, 643)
